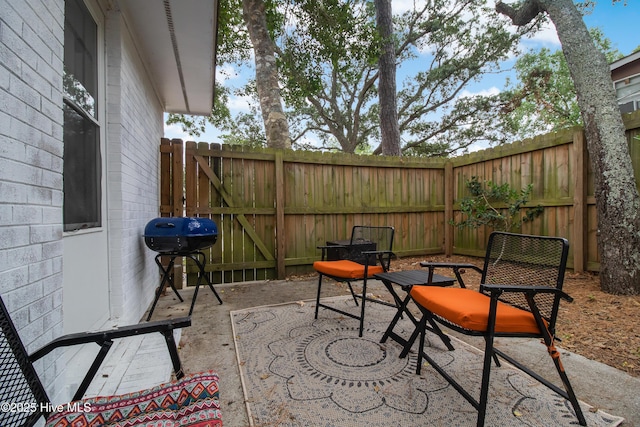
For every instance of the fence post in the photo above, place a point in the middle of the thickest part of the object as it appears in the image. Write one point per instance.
(448, 208)
(579, 201)
(177, 180)
(190, 179)
(280, 231)
(165, 177)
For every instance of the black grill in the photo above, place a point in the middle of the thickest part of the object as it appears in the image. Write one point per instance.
(180, 234)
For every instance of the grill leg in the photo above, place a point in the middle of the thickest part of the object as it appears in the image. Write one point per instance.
(166, 277)
(195, 258)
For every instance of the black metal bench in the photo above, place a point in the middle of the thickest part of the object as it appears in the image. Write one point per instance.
(25, 400)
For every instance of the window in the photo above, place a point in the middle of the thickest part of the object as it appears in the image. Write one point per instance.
(628, 94)
(82, 159)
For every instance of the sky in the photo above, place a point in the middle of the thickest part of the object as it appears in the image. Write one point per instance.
(618, 21)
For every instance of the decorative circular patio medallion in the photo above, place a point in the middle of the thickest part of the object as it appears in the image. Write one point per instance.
(338, 355)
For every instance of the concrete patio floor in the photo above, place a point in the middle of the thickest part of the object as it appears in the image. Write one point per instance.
(208, 345)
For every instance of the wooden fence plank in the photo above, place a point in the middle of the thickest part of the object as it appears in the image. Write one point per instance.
(579, 201)
(280, 230)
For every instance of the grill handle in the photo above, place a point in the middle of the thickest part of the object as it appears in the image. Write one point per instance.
(165, 225)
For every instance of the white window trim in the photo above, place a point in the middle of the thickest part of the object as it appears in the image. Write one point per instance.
(98, 16)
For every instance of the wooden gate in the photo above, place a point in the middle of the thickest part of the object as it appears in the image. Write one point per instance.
(236, 192)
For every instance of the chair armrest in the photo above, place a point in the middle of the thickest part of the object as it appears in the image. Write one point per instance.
(456, 267)
(378, 253)
(526, 289)
(105, 340)
(323, 247)
(451, 265)
(100, 337)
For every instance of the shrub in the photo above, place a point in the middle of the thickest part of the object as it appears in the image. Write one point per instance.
(497, 206)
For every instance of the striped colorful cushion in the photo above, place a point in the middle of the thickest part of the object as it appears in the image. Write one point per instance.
(193, 401)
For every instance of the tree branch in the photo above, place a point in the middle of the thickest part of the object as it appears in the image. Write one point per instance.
(524, 14)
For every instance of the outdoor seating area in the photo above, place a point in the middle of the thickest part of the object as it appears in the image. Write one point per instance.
(531, 266)
(519, 296)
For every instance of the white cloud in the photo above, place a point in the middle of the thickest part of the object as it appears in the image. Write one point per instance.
(547, 37)
(240, 104)
(226, 72)
(401, 6)
(484, 92)
(175, 131)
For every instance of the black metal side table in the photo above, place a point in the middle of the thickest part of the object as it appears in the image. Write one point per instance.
(196, 256)
(407, 279)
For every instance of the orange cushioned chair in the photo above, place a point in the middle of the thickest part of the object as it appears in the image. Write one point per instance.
(519, 296)
(366, 253)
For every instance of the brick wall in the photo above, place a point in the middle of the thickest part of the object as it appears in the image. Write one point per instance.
(31, 52)
(134, 130)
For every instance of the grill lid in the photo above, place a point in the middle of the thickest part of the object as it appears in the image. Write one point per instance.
(180, 234)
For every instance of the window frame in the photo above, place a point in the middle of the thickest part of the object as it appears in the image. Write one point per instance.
(97, 121)
(633, 98)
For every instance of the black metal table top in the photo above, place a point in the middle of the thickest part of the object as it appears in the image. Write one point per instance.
(414, 277)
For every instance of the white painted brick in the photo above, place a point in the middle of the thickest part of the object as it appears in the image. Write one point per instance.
(45, 233)
(40, 307)
(25, 91)
(53, 249)
(12, 149)
(51, 285)
(21, 131)
(53, 317)
(31, 332)
(20, 318)
(40, 270)
(41, 196)
(53, 143)
(13, 171)
(57, 198)
(12, 192)
(51, 215)
(37, 119)
(22, 256)
(51, 179)
(37, 157)
(26, 214)
(31, 148)
(5, 119)
(12, 105)
(9, 278)
(6, 213)
(14, 236)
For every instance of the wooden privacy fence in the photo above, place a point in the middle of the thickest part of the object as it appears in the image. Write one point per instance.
(274, 207)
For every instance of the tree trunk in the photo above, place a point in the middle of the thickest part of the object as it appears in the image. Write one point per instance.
(617, 199)
(389, 129)
(275, 122)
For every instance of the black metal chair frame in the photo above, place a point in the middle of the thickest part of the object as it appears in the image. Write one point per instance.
(407, 280)
(377, 257)
(527, 297)
(167, 277)
(19, 381)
